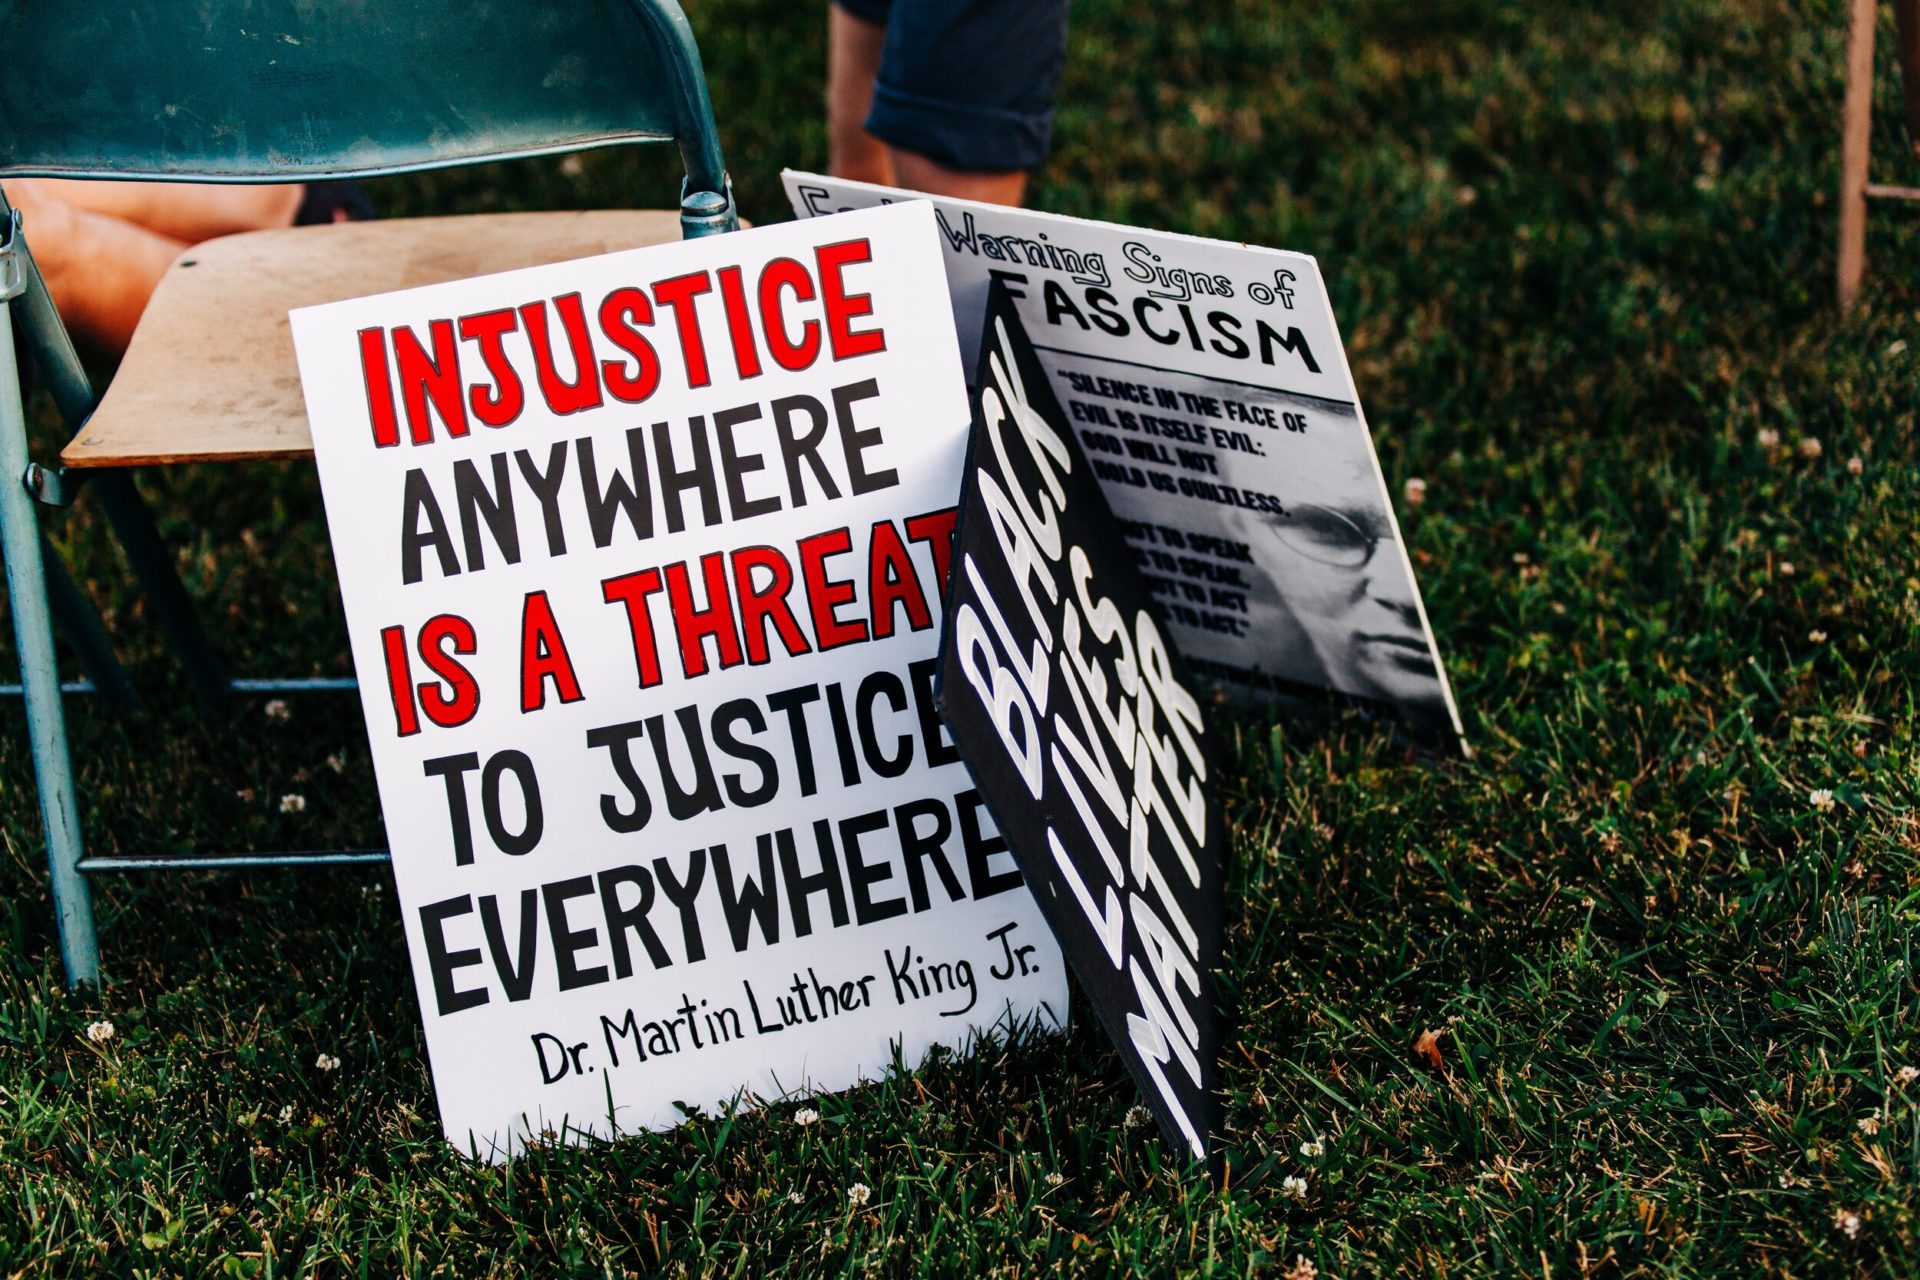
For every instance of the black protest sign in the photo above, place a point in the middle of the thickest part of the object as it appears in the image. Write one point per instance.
(1084, 736)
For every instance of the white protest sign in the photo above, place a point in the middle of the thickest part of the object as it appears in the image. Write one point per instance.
(641, 558)
(1208, 386)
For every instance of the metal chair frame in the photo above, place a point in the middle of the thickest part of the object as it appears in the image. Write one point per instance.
(40, 591)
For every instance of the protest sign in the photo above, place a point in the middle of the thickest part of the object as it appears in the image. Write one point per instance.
(641, 558)
(1207, 384)
(1085, 736)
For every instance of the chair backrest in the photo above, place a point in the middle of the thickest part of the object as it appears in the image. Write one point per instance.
(280, 90)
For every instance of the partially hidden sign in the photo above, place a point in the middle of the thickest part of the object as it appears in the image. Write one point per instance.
(1208, 386)
(1085, 735)
(642, 560)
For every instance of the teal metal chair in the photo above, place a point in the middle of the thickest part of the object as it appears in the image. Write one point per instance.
(276, 91)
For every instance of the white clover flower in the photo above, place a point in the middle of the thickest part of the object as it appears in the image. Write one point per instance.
(1868, 1124)
(100, 1032)
(1786, 569)
(1314, 1148)
(1907, 1074)
(1136, 1116)
(337, 762)
(1293, 1187)
(806, 1116)
(794, 1197)
(293, 803)
(1820, 798)
(327, 1062)
(1766, 437)
(1846, 1222)
(1817, 636)
(286, 1114)
(1810, 447)
(859, 1193)
(1303, 1268)
(1855, 466)
(1056, 1178)
(1415, 491)
(277, 709)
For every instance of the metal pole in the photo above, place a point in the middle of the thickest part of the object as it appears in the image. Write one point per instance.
(39, 674)
(706, 213)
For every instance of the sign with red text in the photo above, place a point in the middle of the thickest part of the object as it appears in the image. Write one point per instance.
(1207, 385)
(1084, 732)
(642, 560)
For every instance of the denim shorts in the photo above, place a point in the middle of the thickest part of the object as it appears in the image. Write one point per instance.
(968, 84)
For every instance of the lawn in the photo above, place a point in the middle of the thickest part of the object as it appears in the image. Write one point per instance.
(1661, 928)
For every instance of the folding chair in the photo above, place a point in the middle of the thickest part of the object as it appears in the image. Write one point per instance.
(1857, 132)
(277, 91)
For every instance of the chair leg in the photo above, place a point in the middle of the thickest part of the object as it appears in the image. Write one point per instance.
(1856, 137)
(74, 614)
(40, 678)
(133, 524)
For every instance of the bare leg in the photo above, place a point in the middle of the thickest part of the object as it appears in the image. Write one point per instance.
(189, 211)
(853, 61)
(100, 270)
(917, 173)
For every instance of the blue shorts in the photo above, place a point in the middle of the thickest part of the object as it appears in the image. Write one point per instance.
(968, 84)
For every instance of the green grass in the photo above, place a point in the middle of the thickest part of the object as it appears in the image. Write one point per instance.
(1583, 257)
